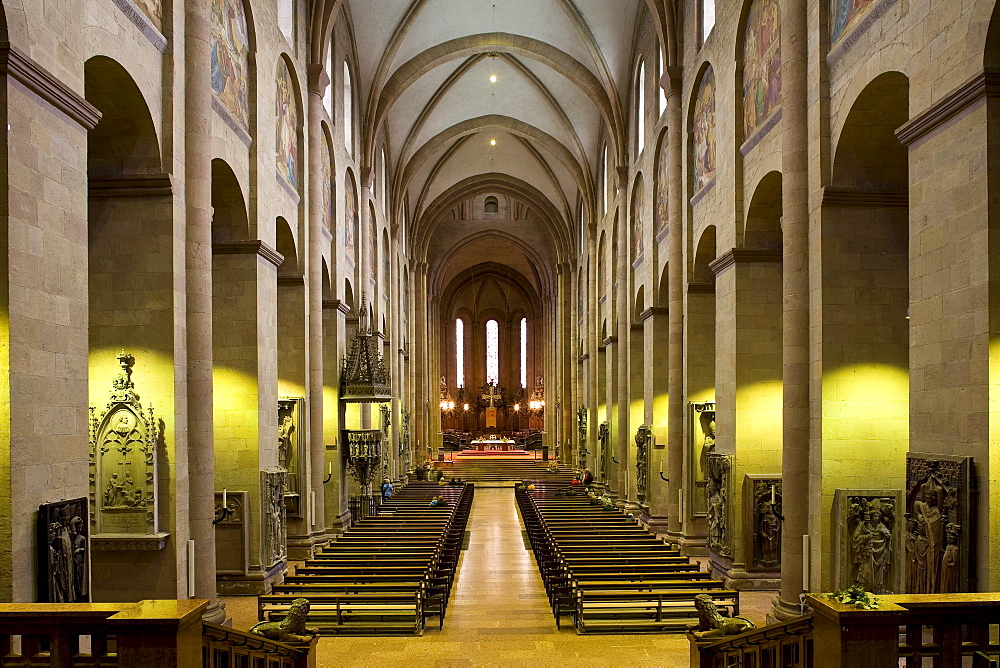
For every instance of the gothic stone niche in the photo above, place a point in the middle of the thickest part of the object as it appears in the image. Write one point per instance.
(232, 538)
(867, 535)
(291, 438)
(718, 489)
(273, 527)
(701, 446)
(762, 522)
(939, 528)
(64, 552)
(123, 440)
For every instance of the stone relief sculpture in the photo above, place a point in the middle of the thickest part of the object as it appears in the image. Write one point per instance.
(123, 439)
(64, 552)
(718, 490)
(643, 439)
(273, 514)
(762, 521)
(232, 540)
(938, 523)
(867, 539)
(603, 437)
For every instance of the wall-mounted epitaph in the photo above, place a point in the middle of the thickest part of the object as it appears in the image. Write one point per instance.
(718, 490)
(273, 526)
(64, 552)
(232, 536)
(643, 440)
(762, 521)
(939, 530)
(867, 537)
(604, 447)
(291, 432)
(123, 440)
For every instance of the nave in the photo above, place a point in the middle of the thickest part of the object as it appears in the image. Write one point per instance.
(499, 613)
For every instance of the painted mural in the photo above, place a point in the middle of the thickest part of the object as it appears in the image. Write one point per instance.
(153, 9)
(230, 58)
(286, 143)
(761, 65)
(845, 15)
(327, 187)
(703, 131)
(350, 215)
(637, 218)
(662, 190)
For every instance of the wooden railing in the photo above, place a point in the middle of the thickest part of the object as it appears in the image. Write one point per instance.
(133, 635)
(950, 630)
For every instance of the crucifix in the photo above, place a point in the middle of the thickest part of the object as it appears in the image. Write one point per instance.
(492, 395)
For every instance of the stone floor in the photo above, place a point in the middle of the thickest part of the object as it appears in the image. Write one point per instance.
(499, 614)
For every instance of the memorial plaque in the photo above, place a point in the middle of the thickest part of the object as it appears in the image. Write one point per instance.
(232, 539)
(64, 552)
(867, 539)
(762, 521)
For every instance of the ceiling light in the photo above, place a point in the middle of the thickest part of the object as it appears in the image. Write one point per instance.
(493, 142)
(493, 78)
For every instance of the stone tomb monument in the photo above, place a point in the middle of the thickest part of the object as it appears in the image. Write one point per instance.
(63, 552)
(232, 535)
(719, 491)
(123, 494)
(274, 531)
(867, 539)
(939, 527)
(762, 523)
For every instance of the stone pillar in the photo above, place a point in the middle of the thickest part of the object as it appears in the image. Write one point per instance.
(795, 311)
(655, 320)
(675, 318)
(198, 275)
(318, 81)
(421, 385)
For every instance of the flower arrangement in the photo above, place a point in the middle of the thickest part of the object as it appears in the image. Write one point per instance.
(857, 596)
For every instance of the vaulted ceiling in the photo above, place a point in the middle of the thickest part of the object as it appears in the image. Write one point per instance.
(500, 96)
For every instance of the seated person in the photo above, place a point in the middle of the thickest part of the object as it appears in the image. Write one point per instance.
(588, 477)
(438, 502)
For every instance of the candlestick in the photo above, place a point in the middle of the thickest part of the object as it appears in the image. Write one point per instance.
(772, 495)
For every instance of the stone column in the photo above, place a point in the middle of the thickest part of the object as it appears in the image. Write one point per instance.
(675, 318)
(198, 258)
(655, 323)
(795, 311)
(318, 81)
(336, 514)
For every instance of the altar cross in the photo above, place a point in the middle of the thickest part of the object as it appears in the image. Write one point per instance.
(492, 395)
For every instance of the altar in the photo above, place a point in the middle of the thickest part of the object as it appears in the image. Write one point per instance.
(493, 445)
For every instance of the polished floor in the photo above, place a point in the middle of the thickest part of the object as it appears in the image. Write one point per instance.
(499, 614)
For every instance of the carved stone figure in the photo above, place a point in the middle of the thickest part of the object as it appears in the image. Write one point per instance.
(717, 490)
(870, 523)
(711, 624)
(291, 629)
(603, 438)
(642, 438)
(285, 430)
(708, 445)
(769, 530)
(64, 567)
(762, 521)
(273, 516)
(938, 521)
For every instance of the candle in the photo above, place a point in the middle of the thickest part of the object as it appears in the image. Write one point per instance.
(329, 468)
(223, 497)
(772, 495)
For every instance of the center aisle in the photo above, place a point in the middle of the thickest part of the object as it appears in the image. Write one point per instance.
(498, 615)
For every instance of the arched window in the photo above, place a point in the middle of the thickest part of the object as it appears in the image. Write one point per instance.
(604, 180)
(492, 352)
(707, 18)
(524, 352)
(459, 353)
(491, 206)
(348, 112)
(286, 20)
(663, 95)
(385, 186)
(640, 108)
(328, 93)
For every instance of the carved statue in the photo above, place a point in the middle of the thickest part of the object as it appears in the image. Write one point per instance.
(285, 430)
(870, 523)
(711, 624)
(291, 629)
(708, 446)
(950, 566)
(769, 532)
(273, 482)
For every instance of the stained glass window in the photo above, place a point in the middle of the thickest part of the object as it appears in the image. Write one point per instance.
(459, 353)
(604, 180)
(492, 352)
(328, 93)
(707, 18)
(641, 108)
(348, 112)
(524, 352)
(663, 95)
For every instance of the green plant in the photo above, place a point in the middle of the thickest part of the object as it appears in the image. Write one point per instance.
(857, 596)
